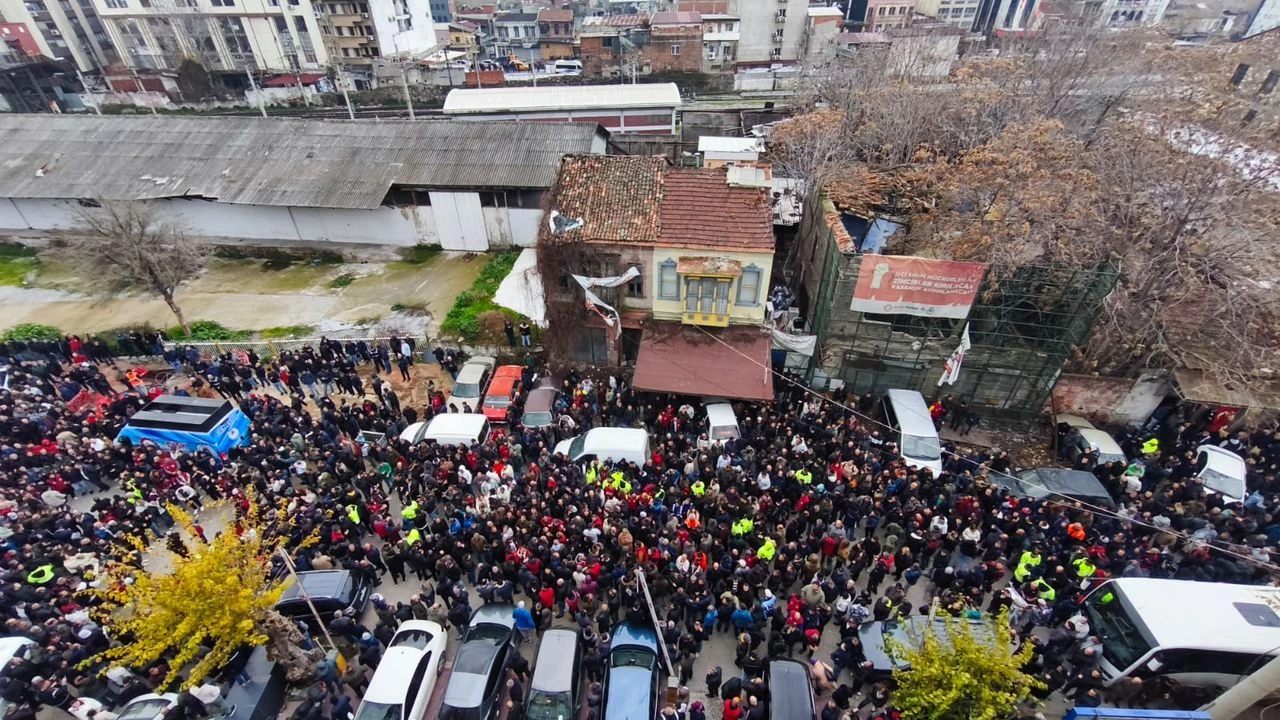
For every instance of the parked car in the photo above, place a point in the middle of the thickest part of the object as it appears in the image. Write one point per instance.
(917, 439)
(909, 632)
(449, 429)
(480, 665)
(472, 380)
(632, 682)
(151, 706)
(329, 590)
(722, 422)
(539, 408)
(503, 389)
(402, 687)
(1077, 434)
(1222, 471)
(1040, 483)
(607, 443)
(10, 648)
(557, 677)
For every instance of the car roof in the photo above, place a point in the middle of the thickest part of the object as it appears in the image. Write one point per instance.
(540, 400)
(11, 646)
(168, 698)
(1073, 420)
(554, 670)
(629, 694)
(494, 614)
(611, 438)
(318, 583)
(789, 685)
(1222, 460)
(913, 413)
(391, 680)
(468, 424)
(1072, 483)
(471, 372)
(628, 633)
(1099, 439)
(721, 414)
(465, 689)
(509, 371)
(502, 385)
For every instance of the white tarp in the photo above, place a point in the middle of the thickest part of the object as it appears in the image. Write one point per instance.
(803, 344)
(521, 289)
(594, 302)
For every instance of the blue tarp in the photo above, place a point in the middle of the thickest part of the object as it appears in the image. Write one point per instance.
(231, 431)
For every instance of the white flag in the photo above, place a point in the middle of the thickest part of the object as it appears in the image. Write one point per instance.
(951, 369)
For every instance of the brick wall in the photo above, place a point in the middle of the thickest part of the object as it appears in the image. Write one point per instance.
(659, 51)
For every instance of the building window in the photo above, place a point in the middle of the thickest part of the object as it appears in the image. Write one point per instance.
(635, 288)
(749, 286)
(707, 296)
(711, 52)
(675, 49)
(493, 199)
(668, 283)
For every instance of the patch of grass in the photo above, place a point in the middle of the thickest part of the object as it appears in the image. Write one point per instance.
(208, 331)
(14, 269)
(285, 331)
(410, 308)
(369, 321)
(16, 250)
(343, 280)
(419, 254)
(465, 317)
(29, 332)
(277, 258)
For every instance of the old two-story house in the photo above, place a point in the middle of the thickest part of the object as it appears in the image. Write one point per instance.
(555, 33)
(681, 261)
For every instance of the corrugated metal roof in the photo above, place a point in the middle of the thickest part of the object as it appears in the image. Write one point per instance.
(273, 161)
(561, 97)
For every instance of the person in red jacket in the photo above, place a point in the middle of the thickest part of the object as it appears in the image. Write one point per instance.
(733, 709)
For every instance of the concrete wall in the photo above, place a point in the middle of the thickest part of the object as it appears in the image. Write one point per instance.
(1107, 400)
(256, 224)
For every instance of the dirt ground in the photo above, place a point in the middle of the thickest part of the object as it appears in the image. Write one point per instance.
(246, 295)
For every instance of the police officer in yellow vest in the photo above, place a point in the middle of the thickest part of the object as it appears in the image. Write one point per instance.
(804, 477)
(41, 575)
(766, 551)
(1151, 446)
(413, 536)
(353, 513)
(593, 473)
(699, 488)
(742, 527)
(1084, 568)
(1047, 593)
(1026, 562)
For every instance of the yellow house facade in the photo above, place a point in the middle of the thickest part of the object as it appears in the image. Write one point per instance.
(697, 286)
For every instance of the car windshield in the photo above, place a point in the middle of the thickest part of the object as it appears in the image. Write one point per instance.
(488, 631)
(498, 401)
(918, 447)
(628, 657)
(145, 710)
(576, 446)
(466, 390)
(724, 432)
(453, 713)
(549, 706)
(1223, 483)
(1031, 485)
(417, 639)
(378, 711)
(537, 419)
(1122, 641)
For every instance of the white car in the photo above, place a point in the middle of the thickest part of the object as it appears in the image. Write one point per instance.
(10, 648)
(148, 707)
(402, 687)
(1222, 471)
(472, 381)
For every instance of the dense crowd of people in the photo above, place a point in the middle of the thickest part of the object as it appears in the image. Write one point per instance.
(783, 541)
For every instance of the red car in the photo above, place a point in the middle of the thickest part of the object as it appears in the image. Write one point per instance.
(502, 390)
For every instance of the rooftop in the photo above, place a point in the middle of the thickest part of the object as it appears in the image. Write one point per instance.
(700, 209)
(273, 161)
(620, 21)
(614, 196)
(555, 15)
(825, 12)
(672, 17)
(517, 99)
(515, 17)
(859, 38)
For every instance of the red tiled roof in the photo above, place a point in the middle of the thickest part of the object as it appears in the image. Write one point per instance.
(615, 196)
(673, 17)
(699, 209)
(554, 15)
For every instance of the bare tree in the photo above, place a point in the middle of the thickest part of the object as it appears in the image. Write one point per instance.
(122, 247)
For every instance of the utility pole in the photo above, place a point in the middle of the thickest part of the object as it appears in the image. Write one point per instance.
(85, 85)
(253, 85)
(408, 99)
(342, 85)
(293, 571)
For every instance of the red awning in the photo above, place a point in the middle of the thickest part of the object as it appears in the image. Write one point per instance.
(292, 80)
(729, 362)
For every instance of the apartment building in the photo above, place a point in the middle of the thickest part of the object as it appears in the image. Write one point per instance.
(555, 33)
(770, 30)
(67, 30)
(225, 36)
(996, 17)
(720, 35)
(958, 13)
(516, 33)
(675, 42)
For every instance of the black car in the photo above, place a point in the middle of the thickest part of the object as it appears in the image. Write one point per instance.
(329, 590)
(480, 665)
(1055, 484)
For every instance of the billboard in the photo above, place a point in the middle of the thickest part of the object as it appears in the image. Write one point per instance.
(892, 284)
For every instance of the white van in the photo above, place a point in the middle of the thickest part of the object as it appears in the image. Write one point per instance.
(567, 67)
(722, 423)
(906, 412)
(449, 429)
(607, 443)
